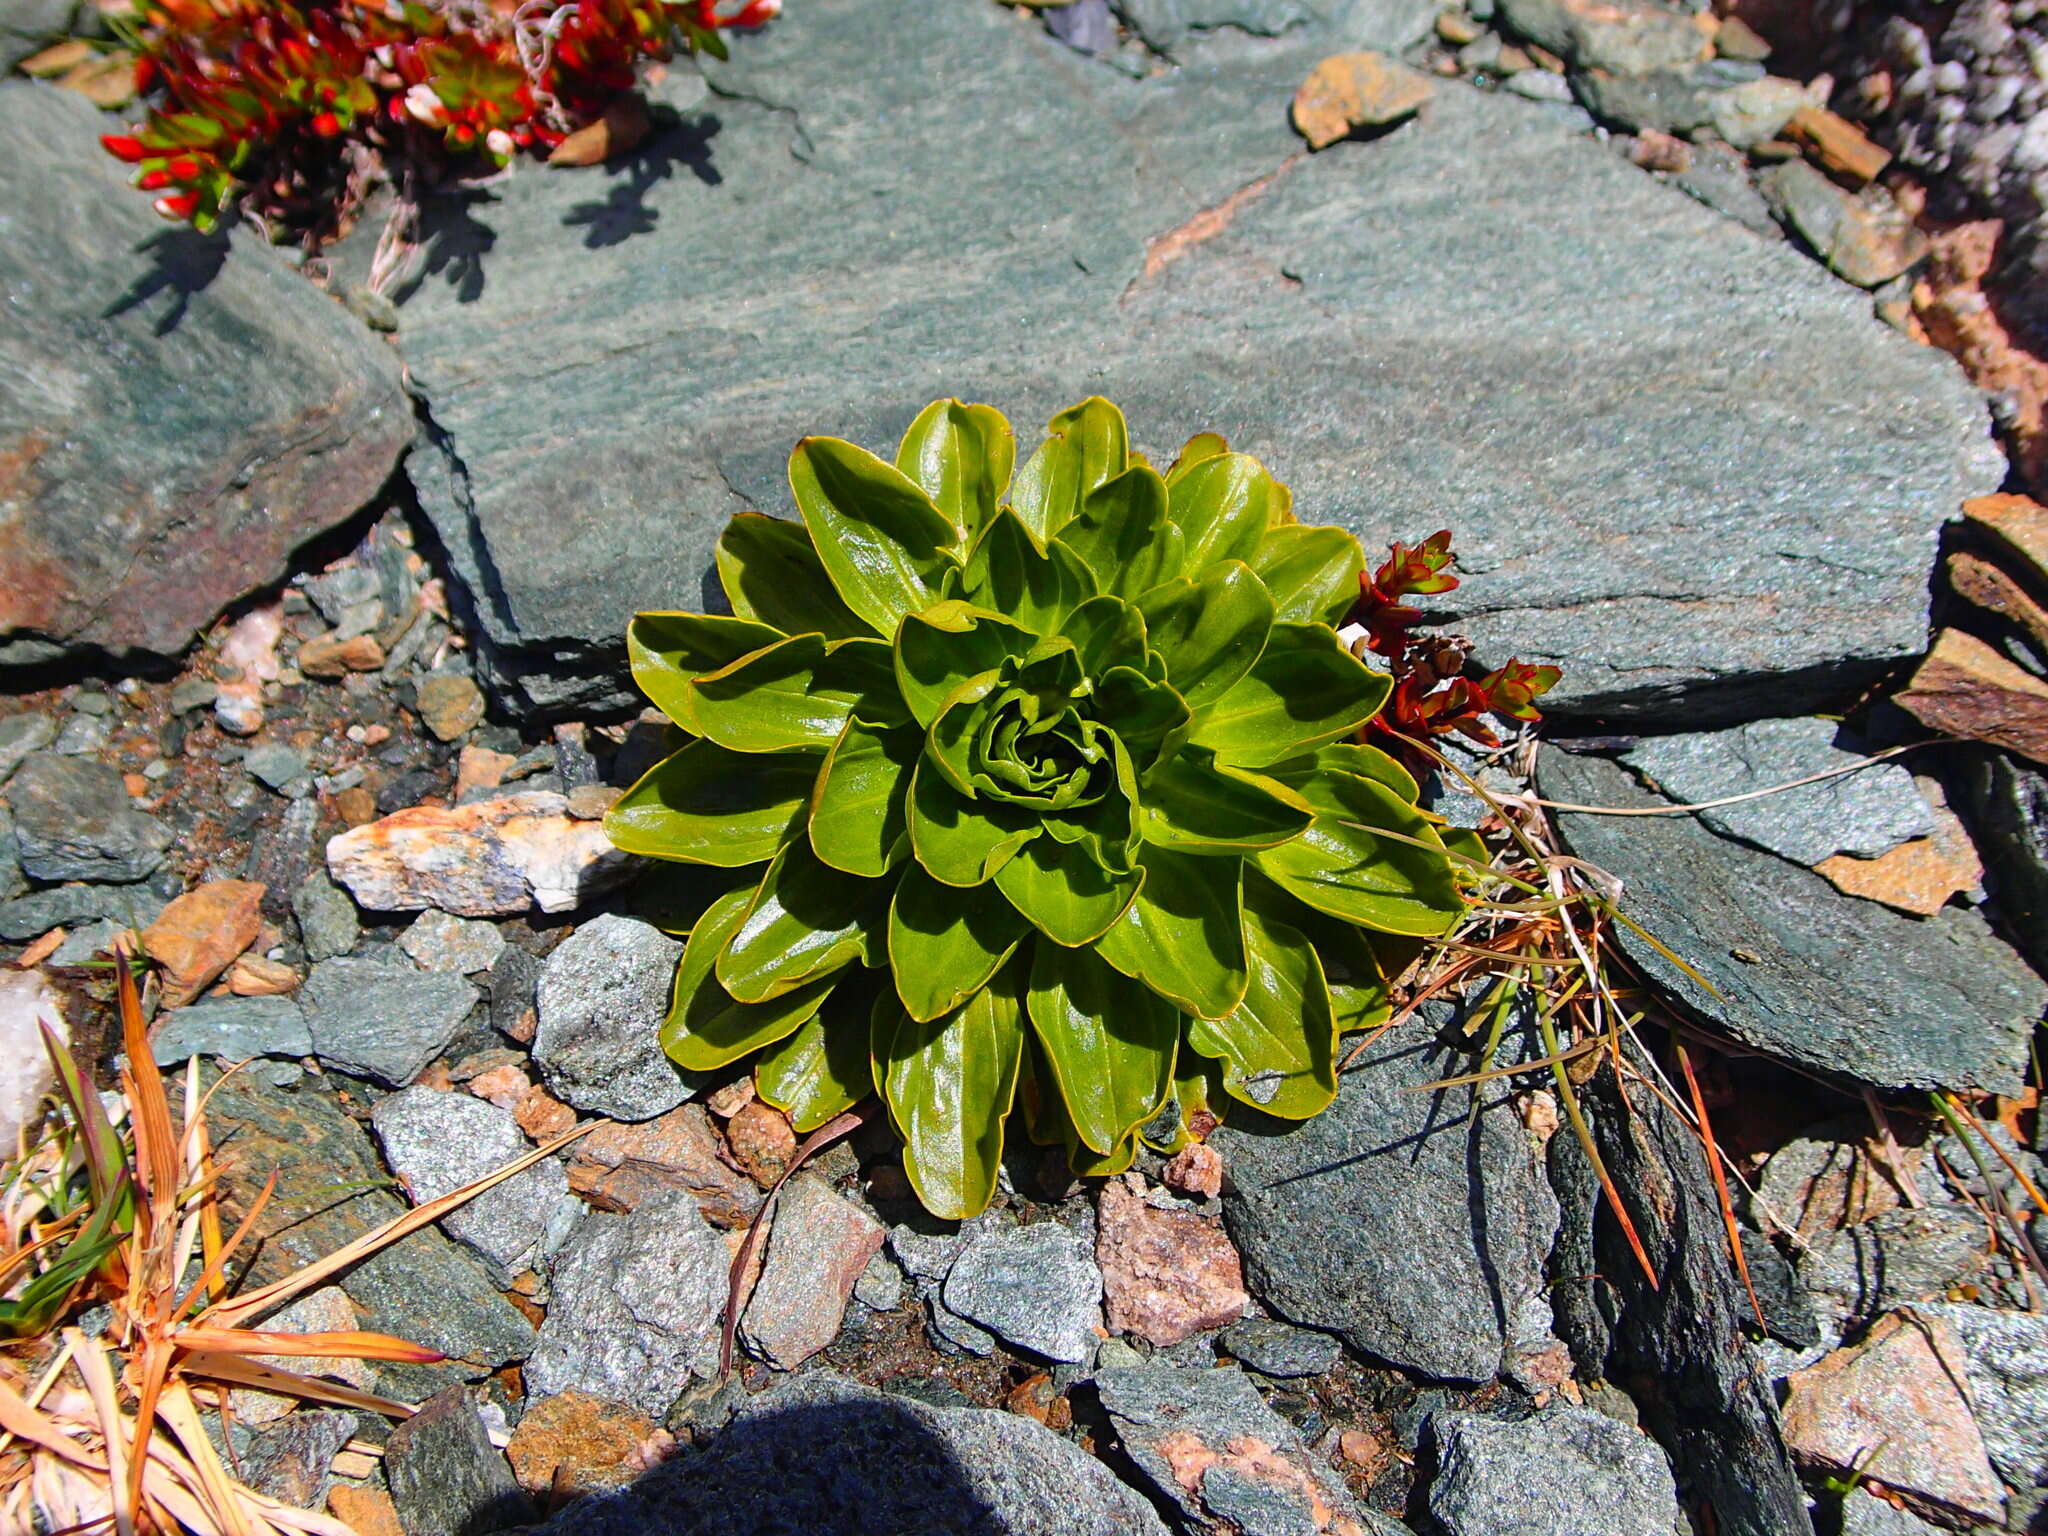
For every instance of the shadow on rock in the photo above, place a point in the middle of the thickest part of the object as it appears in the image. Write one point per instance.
(624, 212)
(183, 262)
(820, 1454)
(455, 241)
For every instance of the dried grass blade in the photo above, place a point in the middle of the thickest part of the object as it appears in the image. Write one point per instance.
(352, 1344)
(1699, 1109)
(241, 1371)
(216, 1488)
(99, 1386)
(255, 1303)
(156, 1140)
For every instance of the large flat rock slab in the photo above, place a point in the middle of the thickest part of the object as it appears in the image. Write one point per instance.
(177, 413)
(1842, 987)
(1681, 461)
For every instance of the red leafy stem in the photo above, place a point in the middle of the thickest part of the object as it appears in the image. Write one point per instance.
(1432, 696)
(257, 98)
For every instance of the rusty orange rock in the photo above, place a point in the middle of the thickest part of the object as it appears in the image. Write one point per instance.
(255, 976)
(201, 934)
(1965, 688)
(578, 1443)
(761, 1141)
(1348, 91)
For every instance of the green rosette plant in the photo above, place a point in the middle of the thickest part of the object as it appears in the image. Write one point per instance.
(1032, 790)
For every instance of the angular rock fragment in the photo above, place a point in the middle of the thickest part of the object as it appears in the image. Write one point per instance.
(1166, 1274)
(1897, 1396)
(617, 1167)
(1349, 91)
(2005, 1368)
(438, 942)
(1208, 1444)
(200, 934)
(1280, 1349)
(238, 411)
(580, 1443)
(446, 1476)
(1035, 1287)
(635, 1306)
(1965, 688)
(386, 1021)
(1628, 37)
(1563, 1472)
(817, 1249)
(437, 1142)
(1865, 238)
(490, 858)
(232, 1028)
(602, 997)
(75, 821)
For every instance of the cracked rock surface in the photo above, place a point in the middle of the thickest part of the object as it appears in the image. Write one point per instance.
(1481, 320)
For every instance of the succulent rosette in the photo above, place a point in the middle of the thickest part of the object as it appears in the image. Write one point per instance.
(1036, 791)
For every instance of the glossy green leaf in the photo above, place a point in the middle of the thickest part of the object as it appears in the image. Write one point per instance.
(1192, 805)
(950, 741)
(1203, 445)
(949, 1085)
(1109, 1041)
(858, 818)
(796, 696)
(1107, 632)
(1223, 506)
(1148, 717)
(959, 841)
(1350, 954)
(961, 457)
(806, 921)
(947, 645)
(771, 572)
(823, 1069)
(1124, 535)
(1068, 897)
(1305, 690)
(706, 1027)
(1184, 935)
(668, 650)
(1006, 575)
(1211, 630)
(1365, 762)
(1311, 572)
(1342, 866)
(1088, 446)
(943, 949)
(1279, 1046)
(878, 536)
(711, 806)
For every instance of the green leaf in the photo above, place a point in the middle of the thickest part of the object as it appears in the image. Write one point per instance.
(950, 740)
(1193, 805)
(1211, 630)
(706, 1027)
(1148, 718)
(707, 805)
(1351, 959)
(1007, 575)
(1365, 762)
(1124, 535)
(962, 842)
(1342, 866)
(1203, 445)
(1305, 690)
(1109, 1041)
(1279, 1046)
(1068, 899)
(1107, 632)
(668, 650)
(806, 921)
(949, 1085)
(797, 695)
(1223, 506)
(948, 645)
(960, 456)
(1311, 572)
(878, 536)
(771, 572)
(858, 819)
(1088, 446)
(822, 1070)
(1184, 935)
(943, 949)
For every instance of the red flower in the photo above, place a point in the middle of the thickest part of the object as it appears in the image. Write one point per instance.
(122, 147)
(326, 124)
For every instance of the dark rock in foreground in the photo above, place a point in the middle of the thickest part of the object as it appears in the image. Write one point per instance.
(1840, 986)
(1479, 321)
(821, 1453)
(178, 412)
(1403, 1221)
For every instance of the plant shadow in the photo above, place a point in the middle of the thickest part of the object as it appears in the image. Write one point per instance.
(455, 242)
(183, 263)
(624, 211)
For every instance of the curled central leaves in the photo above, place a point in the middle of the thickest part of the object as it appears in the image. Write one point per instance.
(1030, 790)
